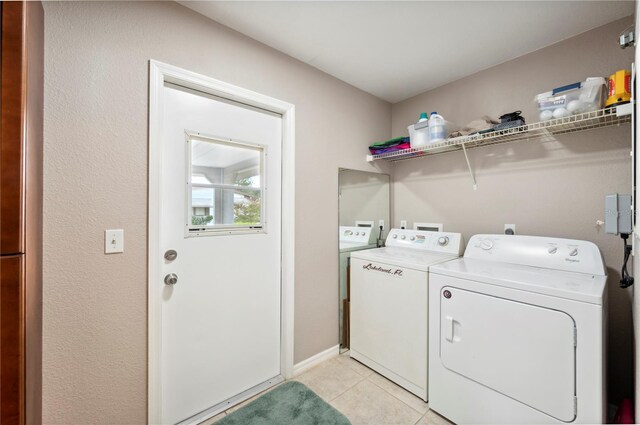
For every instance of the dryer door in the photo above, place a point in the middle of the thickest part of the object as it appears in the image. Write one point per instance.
(523, 351)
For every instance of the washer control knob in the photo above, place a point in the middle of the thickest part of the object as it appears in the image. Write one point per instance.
(395, 236)
(553, 249)
(573, 252)
(403, 237)
(443, 240)
(349, 233)
(364, 234)
(486, 244)
(413, 238)
(357, 233)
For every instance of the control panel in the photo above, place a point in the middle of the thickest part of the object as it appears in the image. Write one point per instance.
(444, 242)
(549, 253)
(355, 234)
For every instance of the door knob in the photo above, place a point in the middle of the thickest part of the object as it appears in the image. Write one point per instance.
(171, 255)
(171, 279)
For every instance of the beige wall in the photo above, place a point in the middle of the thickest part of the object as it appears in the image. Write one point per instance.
(96, 85)
(553, 189)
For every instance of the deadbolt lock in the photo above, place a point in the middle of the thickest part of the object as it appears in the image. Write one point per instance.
(171, 255)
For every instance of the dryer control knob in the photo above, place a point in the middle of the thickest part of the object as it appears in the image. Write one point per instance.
(395, 236)
(553, 250)
(573, 252)
(403, 237)
(413, 238)
(443, 240)
(486, 244)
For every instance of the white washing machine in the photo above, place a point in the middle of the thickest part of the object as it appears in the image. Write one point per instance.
(518, 332)
(352, 238)
(389, 303)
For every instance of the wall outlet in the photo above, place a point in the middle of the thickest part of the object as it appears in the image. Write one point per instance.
(381, 223)
(403, 224)
(113, 241)
(509, 229)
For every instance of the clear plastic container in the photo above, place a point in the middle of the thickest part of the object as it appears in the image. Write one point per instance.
(571, 99)
(419, 132)
(437, 128)
(418, 136)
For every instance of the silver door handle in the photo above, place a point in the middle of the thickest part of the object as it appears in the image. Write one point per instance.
(171, 279)
(171, 255)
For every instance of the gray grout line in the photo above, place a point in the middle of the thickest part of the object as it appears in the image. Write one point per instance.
(397, 398)
(362, 379)
(421, 417)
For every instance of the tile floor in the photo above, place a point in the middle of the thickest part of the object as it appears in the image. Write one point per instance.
(362, 395)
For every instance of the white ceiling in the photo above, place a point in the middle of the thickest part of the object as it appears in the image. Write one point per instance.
(396, 49)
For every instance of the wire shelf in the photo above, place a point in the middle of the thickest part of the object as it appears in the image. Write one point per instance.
(539, 131)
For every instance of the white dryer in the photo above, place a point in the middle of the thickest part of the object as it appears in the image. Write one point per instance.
(389, 302)
(517, 332)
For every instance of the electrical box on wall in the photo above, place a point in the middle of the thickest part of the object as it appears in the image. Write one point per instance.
(617, 214)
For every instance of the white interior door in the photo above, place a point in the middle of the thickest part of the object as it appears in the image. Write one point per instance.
(220, 191)
(523, 351)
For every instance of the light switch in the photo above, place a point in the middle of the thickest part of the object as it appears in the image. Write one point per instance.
(113, 241)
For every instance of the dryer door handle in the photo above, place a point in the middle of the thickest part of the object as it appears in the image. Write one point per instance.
(451, 325)
(448, 328)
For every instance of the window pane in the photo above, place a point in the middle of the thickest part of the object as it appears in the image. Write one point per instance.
(247, 205)
(220, 163)
(233, 175)
(253, 181)
(202, 203)
(240, 207)
(200, 179)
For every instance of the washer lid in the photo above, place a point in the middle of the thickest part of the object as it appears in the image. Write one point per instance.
(557, 283)
(403, 257)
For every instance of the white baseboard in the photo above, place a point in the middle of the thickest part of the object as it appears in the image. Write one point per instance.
(315, 360)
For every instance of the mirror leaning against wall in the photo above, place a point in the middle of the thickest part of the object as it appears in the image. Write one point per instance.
(363, 201)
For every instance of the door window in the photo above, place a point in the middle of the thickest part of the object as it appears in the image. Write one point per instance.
(226, 186)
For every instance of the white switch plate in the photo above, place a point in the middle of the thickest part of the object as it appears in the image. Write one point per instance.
(510, 226)
(113, 241)
(403, 224)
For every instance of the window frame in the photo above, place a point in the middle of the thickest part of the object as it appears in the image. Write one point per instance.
(223, 229)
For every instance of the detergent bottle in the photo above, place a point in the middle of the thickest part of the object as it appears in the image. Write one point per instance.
(436, 128)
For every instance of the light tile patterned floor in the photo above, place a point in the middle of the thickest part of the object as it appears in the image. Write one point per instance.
(362, 395)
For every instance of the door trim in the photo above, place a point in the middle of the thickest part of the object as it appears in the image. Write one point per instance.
(159, 74)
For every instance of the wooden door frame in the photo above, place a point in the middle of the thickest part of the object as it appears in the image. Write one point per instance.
(21, 141)
(159, 74)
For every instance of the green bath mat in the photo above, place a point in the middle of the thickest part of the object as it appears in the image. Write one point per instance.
(290, 403)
